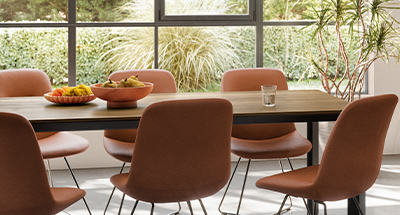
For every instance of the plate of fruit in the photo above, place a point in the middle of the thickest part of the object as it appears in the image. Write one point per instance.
(71, 95)
(123, 93)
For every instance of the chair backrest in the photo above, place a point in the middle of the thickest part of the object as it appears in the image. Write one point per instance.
(163, 82)
(182, 150)
(251, 79)
(24, 185)
(353, 154)
(24, 82)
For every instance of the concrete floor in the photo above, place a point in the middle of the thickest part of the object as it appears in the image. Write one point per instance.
(382, 199)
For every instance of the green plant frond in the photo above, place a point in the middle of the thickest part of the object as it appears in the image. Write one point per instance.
(381, 8)
(322, 18)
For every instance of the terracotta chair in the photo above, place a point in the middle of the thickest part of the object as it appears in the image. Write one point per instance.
(33, 82)
(352, 158)
(178, 145)
(24, 186)
(120, 143)
(261, 141)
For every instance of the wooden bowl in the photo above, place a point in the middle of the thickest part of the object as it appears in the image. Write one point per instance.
(69, 99)
(122, 97)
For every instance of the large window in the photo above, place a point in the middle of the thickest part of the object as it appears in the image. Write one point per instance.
(83, 41)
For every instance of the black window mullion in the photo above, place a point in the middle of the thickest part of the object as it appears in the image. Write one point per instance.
(259, 33)
(157, 9)
(72, 42)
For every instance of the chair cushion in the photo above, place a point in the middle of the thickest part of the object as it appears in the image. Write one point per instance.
(296, 183)
(289, 145)
(62, 144)
(119, 149)
(65, 197)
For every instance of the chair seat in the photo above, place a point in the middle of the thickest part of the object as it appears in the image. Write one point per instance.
(294, 182)
(119, 149)
(301, 183)
(62, 144)
(289, 145)
(65, 197)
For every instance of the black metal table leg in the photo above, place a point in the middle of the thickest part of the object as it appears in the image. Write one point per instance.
(352, 208)
(313, 154)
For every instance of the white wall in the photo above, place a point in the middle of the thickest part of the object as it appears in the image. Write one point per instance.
(386, 80)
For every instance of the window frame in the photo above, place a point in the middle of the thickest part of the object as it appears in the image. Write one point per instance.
(161, 19)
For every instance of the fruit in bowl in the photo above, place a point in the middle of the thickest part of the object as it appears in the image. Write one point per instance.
(70, 95)
(109, 83)
(124, 95)
(81, 90)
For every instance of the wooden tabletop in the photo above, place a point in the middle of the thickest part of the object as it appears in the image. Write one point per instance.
(294, 105)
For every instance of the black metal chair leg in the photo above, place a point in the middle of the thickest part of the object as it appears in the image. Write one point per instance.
(290, 199)
(227, 187)
(134, 207)
(308, 209)
(112, 192)
(77, 185)
(49, 173)
(244, 184)
(316, 208)
(176, 212)
(202, 207)
(283, 203)
(152, 209)
(190, 207)
(358, 206)
(122, 202)
(241, 194)
(137, 201)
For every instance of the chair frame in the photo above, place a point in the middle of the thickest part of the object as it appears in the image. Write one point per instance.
(243, 187)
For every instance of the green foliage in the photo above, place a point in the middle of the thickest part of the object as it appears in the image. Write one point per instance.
(47, 49)
(196, 56)
(89, 48)
(57, 10)
(288, 9)
(365, 26)
(283, 49)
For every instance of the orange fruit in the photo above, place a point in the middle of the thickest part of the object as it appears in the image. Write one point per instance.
(58, 92)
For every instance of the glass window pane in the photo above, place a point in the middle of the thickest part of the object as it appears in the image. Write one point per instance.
(288, 9)
(283, 49)
(101, 51)
(39, 48)
(197, 56)
(25, 10)
(115, 11)
(291, 50)
(205, 7)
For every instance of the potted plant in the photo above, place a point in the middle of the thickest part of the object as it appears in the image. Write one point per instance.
(364, 31)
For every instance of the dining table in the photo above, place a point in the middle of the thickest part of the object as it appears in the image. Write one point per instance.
(307, 106)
